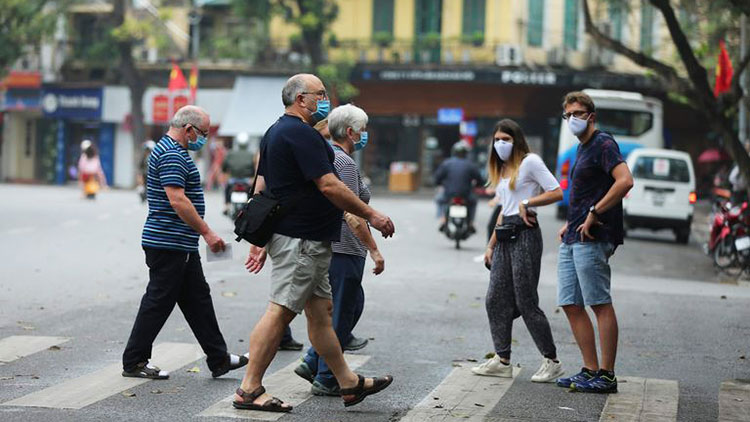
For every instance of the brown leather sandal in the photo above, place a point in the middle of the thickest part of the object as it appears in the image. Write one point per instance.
(271, 405)
(360, 392)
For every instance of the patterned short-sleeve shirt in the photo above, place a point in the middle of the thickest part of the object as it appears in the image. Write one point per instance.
(171, 165)
(349, 173)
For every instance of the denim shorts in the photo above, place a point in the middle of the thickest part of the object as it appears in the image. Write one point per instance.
(583, 273)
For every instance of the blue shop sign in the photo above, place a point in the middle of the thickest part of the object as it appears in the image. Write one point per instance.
(72, 103)
(19, 99)
(450, 116)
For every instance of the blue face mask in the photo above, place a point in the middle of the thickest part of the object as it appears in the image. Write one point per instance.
(362, 142)
(324, 107)
(198, 144)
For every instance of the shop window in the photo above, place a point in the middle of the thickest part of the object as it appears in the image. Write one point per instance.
(647, 27)
(382, 17)
(535, 26)
(473, 18)
(571, 24)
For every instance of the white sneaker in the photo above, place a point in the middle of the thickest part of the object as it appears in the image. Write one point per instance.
(494, 368)
(548, 372)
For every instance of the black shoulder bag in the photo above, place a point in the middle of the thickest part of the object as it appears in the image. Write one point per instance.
(258, 218)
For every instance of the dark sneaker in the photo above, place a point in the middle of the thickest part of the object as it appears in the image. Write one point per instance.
(580, 377)
(231, 363)
(291, 345)
(304, 371)
(602, 384)
(356, 343)
(146, 370)
(319, 389)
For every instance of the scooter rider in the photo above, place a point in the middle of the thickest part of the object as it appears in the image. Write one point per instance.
(458, 176)
(239, 165)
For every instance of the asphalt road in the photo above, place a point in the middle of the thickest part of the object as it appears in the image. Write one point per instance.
(74, 268)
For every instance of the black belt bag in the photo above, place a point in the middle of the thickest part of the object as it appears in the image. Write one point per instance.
(509, 232)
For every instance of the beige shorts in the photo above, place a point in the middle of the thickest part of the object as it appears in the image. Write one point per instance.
(300, 270)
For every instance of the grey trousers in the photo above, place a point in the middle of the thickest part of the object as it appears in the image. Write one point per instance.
(514, 278)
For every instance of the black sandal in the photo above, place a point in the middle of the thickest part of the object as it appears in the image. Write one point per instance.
(271, 405)
(360, 392)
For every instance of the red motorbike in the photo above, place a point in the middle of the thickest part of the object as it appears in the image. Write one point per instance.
(729, 242)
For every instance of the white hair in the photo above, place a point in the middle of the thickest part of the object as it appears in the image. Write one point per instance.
(292, 88)
(344, 117)
(188, 115)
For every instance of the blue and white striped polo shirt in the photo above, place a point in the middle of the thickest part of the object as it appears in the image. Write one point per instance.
(171, 165)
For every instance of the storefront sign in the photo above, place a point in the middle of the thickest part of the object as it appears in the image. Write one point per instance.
(161, 109)
(450, 116)
(427, 75)
(178, 102)
(21, 100)
(524, 77)
(16, 79)
(72, 103)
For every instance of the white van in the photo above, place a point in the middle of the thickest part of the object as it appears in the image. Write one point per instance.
(663, 194)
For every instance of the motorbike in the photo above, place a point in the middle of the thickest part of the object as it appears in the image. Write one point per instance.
(240, 190)
(729, 239)
(457, 221)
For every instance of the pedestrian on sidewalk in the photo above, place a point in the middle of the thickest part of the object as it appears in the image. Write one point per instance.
(170, 240)
(599, 180)
(297, 164)
(347, 126)
(514, 251)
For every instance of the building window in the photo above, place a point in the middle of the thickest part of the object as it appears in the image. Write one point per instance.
(473, 19)
(382, 17)
(428, 16)
(571, 24)
(535, 27)
(647, 27)
(615, 20)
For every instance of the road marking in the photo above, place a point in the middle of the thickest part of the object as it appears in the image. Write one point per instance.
(20, 230)
(289, 386)
(734, 401)
(88, 389)
(70, 223)
(462, 396)
(16, 347)
(642, 399)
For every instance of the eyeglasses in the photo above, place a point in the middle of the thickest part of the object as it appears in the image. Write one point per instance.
(321, 93)
(577, 114)
(204, 134)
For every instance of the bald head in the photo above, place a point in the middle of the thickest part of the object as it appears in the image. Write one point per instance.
(189, 115)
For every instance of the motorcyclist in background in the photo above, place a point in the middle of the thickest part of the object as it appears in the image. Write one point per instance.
(458, 176)
(238, 165)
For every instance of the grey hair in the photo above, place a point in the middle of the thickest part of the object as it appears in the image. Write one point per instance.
(293, 87)
(343, 117)
(188, 115)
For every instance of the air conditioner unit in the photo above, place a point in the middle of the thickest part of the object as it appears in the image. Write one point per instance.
(556, 56)
(508, 55)
(599, 56)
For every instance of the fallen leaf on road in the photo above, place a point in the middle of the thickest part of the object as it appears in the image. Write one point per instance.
(565, 408)
(739, 400)
(471, 360)
(489, 355)
(35, 377)
(456, 365)
(723, 296)
(156, 391)
(229, 294)
(11, 378)
(478, 404)
(438, 406)
(742, 357)
(557, 310)
(436, 398)
(54, 348)
(128, 394)
(194, 369)
(371, 338)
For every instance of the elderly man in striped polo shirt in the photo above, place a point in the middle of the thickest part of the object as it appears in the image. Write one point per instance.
(170, 241)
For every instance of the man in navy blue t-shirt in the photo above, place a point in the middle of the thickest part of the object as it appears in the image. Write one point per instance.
(296, 165)
(599, 180)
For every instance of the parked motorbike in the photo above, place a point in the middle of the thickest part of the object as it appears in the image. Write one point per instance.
(240, 191)
(457, 221)
(729, 240)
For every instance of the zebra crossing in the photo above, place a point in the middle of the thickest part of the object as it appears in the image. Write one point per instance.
(460, 396)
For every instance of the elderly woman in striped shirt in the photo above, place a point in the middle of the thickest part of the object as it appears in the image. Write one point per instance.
(346, 125)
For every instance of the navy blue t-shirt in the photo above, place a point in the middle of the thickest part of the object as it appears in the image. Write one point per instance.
(591, 179)
(293, 154)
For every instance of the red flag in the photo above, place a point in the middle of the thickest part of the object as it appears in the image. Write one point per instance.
(176, 79)
(723, 71)
(193, 82)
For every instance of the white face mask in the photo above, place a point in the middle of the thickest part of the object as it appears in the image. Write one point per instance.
(577, 126)
(503, 149)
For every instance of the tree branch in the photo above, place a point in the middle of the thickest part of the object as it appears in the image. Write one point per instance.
(666, 72)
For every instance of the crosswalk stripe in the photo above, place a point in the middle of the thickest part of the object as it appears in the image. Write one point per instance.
(462, 396)
(290, 388)
(83, 391)
(734, 401)
(642, 399)
(16, 347)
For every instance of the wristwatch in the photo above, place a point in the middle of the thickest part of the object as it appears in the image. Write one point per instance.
(592, 210)
(525, 203)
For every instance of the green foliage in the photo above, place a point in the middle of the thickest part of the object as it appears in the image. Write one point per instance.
(476, 38)
(382, 38)
(23, 23)
(429, 40)
(336, 77)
